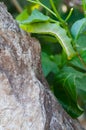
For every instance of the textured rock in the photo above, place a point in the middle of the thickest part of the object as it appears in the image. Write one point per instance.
(26, 102)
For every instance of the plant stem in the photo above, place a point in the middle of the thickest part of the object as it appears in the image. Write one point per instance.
(47, 9)
(56, 12)
(35, 2)
(38, 2)
(71, 10)
(84, 7)
(17, 5)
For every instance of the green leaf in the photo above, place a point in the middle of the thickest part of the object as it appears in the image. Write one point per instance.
(24, 15)
(81, 43)
(66, 91)
(55, 30)
(78, 64)
(48, 65)
(81, 87)
(81, 83)
(35, 16)
(84, 57)
(78, 28)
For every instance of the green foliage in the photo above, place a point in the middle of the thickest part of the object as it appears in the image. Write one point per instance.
(50, 65)
(64, 65)
(66, 80)
(38, 23)
(78, 31)
(78, 28)
(84, 6)
(35, 17)
(23, 15)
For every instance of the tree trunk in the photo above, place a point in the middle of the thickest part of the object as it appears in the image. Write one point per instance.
(26, 103)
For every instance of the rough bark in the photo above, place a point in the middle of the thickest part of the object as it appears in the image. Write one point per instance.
(26, 102)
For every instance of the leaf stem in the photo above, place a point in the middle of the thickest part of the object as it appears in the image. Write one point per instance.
(38, 2)
(70, 12)
(56, 12)
(47, 9)
(17, 5)
(84, 7)
(35, 2)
